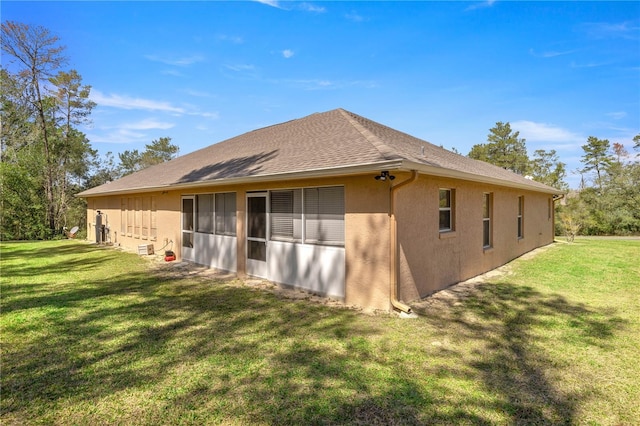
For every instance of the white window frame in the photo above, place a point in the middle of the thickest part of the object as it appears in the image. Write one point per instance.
(521, 217)
(446, 208)
(487, 226)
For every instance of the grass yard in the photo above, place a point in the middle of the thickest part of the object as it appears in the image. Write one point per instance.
(94, 336)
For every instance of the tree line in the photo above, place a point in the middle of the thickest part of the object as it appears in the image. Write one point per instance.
(45, 159)
(608, 199)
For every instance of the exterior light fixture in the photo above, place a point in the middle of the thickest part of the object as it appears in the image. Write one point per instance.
(384, 176)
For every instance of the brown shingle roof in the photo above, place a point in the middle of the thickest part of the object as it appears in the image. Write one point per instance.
(336, 140)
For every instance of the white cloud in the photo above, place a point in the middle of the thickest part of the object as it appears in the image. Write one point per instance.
(198, 93)
(229, 38)
(272, 3)
(120, 136)
(240, 67)
(292, 5)
(481, 5)
(355, 17)
(243, 71)
(588, 65)
(147, 124)
(176, 61)
(600, 30)
(312, 8)
(322, 84)
(126, 102)
(543, 132)
(212, 115)
(617, 115)
(551, 53)
(287, 53)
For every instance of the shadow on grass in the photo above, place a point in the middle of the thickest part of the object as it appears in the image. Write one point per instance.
(517, 326)
(211, 352)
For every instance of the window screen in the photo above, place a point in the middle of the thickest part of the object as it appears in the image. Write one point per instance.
(225, 218)
(286, 215)
(204, 215)
(324, 215)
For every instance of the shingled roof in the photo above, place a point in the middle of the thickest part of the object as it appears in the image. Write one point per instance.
(332, 143)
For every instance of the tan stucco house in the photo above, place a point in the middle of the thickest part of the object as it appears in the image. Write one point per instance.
(333, 203)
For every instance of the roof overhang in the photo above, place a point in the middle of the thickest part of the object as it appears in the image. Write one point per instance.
(349, 170)
(455, 174)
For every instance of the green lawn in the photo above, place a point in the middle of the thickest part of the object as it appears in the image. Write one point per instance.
(94, 336)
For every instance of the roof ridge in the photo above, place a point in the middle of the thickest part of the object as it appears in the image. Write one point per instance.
(377, 143)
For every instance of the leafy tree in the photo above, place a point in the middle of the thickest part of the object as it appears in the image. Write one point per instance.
(547, 168)
(42, 105)
(37, 55)
(636, 140)
(596, 158)
(504, 148)
(612, 206)
(103, 170)
(158, 151)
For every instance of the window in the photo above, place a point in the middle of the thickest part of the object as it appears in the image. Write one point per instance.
(324, 215)
(204, 216)
(520, 217)
(225, 213)
(446, 210)
(486, 220)
(286, 215)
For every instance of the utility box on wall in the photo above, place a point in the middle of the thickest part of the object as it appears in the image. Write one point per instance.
(145, 249)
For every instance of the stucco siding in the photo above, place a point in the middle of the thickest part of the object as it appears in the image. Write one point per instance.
(359, 272)
(367, 242)
(431, 260)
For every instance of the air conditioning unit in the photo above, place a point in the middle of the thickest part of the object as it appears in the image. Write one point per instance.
(145, 249)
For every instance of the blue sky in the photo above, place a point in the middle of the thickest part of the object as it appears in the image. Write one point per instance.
(202, 72)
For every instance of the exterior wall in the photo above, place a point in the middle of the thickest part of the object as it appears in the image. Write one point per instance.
(431, 261)
(362, 275)
(167, 220)
(367, 250)
(428, 260)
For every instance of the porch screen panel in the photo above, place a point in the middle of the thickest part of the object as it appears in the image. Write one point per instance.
(324, 215)
(286, 215)
(225, 218)
(204, 213)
